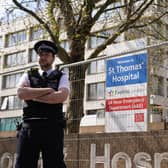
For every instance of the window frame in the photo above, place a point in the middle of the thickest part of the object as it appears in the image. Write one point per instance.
(16, 59)
(97, 71)
(9, 81)
(11, 102)
(96, 93)
(33, 56)
(96, 112)
(16, 38)
(36, 33)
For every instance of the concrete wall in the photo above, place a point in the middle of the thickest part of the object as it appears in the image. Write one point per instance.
(117, 150)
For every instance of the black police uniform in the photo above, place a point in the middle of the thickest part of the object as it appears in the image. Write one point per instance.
(42, 128)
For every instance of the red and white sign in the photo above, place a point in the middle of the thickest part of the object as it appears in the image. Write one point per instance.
(130, 103)
(126, 93)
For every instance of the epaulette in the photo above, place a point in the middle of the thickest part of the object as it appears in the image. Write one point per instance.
(55, 73)
(33, 72)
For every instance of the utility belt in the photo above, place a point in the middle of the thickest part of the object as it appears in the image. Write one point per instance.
(41, 123)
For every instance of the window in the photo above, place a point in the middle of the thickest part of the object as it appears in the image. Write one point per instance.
(10, 81)
(96, 91)
(15, 59)
(156, 109)
(92, 67)
(158, 30)
(167, 87)
(109, 13)
(100, 37)
(37, 33)
(32, 55)
(138, 4)
(160, 89)
(96, 67)
(1, 42)
(95, 41)
(157, 86)
(11, 103)
(166, 32)
(16, 38)
(161, 5)
(9, 124)
(65, 45)
(91, 112)
(98, 112)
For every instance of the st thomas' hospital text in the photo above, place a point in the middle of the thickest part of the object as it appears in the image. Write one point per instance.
(140, 159)
(131, 72)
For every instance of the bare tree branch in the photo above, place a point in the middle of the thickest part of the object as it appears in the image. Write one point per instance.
(79, 15)
(101, 10)
(69, 16)
(78, 30)
(149, 22)
(85, 23)
(30, 12)
(123, 27)
(130, 8)
(155, 33)
(53, 23)
(62, 54)
(133, 12)
(139, 14)
(108, 42)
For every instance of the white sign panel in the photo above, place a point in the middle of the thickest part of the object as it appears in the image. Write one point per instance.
(126, 93)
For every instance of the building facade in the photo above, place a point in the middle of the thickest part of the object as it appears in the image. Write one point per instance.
(16, 45)
(16, 56)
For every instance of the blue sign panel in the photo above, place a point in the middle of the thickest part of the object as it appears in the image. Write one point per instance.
(126, 70)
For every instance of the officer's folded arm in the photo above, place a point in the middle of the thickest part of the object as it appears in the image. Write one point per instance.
(28, 93)
(55, 97)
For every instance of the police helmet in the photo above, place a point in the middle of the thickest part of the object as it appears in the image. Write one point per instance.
(45, 45)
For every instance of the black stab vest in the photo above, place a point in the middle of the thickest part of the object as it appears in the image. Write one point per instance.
(36, 110)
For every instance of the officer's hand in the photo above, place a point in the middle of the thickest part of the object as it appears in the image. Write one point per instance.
(51, 90)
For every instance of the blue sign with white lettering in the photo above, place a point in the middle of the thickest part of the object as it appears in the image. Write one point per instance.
(126, 70)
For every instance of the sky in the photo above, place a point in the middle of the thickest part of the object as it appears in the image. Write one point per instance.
(3, 6)
(17, 13)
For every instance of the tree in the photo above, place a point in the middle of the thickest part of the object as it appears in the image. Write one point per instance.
(78, 19)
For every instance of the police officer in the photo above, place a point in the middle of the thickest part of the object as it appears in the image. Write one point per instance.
(43, 90)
